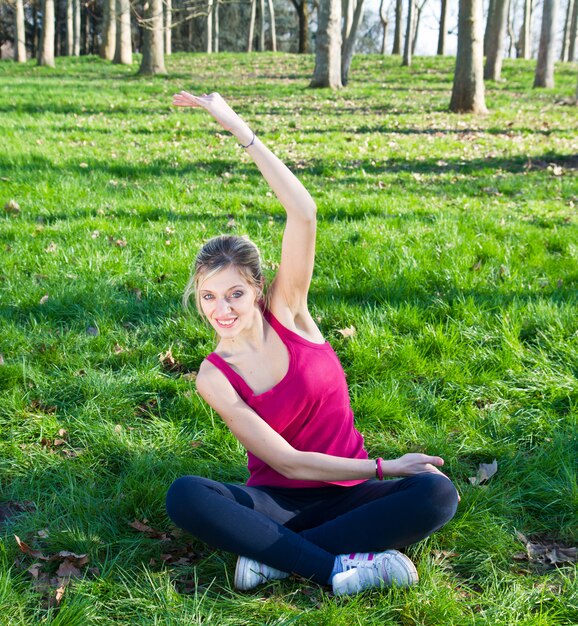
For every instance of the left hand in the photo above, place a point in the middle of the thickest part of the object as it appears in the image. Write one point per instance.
(214, 104)
(413, 463)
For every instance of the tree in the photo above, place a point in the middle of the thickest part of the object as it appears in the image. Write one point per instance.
(397, 31)
(443, 28)
(497, 23)
(153, 58)
(544, 76)
(76, 27)
(327, 71)
(123, 47)
(407, 47)
(419, 7)
(271, 8)
(69, 27)
(19, 32)
(384, 18)
(108, 30)
(573, 33)
(209, 27)
(251, 26)
(468, 88)
(349, 37)
(168, 10)
(524, 45)
(46, 49)
(302, 9)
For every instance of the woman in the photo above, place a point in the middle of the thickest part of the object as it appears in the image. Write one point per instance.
(314, 504)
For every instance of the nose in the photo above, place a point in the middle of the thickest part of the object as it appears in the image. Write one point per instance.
(222, 306)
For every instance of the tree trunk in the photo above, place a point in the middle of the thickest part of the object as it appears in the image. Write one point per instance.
(153, 58)
(489, 19)
(417, 19)
(216, 26)
(348, 45)
(69, 27)
(443, 28)
(209, 28)
(123, 47)
(19, 33)
(408, 34)
(347, 11)
(327, 71)
(261, 34)
(524, 46)
(573, 34)
(46, 49)
(544, 76)
(168, 11)
(303, 14)
(384, 18)
(496, 39)
(397, 32)
(251, 26)
(468, 88)
(76, 28)
(108, 30)
(271, 8)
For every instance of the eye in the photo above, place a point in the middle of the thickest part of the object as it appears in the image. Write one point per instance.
(237, 294)
(207, 296)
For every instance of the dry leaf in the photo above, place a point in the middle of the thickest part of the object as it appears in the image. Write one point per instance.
(1, 359)
(348, 332)
(118, 428)
(169, 363)
(34, 570)
(67, 569)
(546, 552)
(43, 534)
(58, 442)
(52, 247)
(95, 234)
(477, 266)
(37, 554)
(190, 376)
(485, 472)
(12, 207)
(44, 299)
(63, 433)
(83, 165)
(118, 348)
(59, 594)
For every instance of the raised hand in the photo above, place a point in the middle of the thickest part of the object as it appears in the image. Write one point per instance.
(214, 104)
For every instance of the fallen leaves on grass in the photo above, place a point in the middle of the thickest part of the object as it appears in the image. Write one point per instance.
(485, 472)
(169, 363)
(47, 582)
(40, 407)
(173, 553)
(1, 359)
(44, 299)
(348, 332)
(12, 207)
(146, 409)
(52, 247)
(547, 552)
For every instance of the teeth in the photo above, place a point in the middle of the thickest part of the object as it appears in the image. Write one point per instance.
(226, 322)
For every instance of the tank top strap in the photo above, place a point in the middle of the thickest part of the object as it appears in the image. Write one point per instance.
(283, 332)
(231, 375)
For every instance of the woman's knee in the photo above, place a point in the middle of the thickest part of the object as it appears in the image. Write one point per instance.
(183, 498)
(439, 496)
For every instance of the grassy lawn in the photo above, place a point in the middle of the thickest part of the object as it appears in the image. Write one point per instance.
(449, 243)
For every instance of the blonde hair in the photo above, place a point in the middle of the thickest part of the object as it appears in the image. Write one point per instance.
(218, 254)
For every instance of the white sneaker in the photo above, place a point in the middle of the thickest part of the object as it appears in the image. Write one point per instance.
(250, 573)
(380, 569)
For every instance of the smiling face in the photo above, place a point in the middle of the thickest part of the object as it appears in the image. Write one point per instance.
(229, 302)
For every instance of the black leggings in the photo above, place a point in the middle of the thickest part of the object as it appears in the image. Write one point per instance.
(302, 530)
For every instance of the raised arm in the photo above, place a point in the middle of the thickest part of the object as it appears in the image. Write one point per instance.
(292, 282)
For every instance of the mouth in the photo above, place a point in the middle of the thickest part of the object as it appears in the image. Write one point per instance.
(226, 323)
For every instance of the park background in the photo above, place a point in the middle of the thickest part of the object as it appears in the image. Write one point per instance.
(446, 280)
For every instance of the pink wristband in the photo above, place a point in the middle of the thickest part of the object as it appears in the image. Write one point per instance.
(378, 469)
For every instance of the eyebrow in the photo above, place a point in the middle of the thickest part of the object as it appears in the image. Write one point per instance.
(229, 289)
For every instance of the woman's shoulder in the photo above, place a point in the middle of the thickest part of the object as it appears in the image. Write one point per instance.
(299, 322)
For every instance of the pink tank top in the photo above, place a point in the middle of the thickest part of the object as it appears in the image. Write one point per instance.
(309, 407)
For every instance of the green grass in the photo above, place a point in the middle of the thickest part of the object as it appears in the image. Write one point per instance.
(449, 242)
